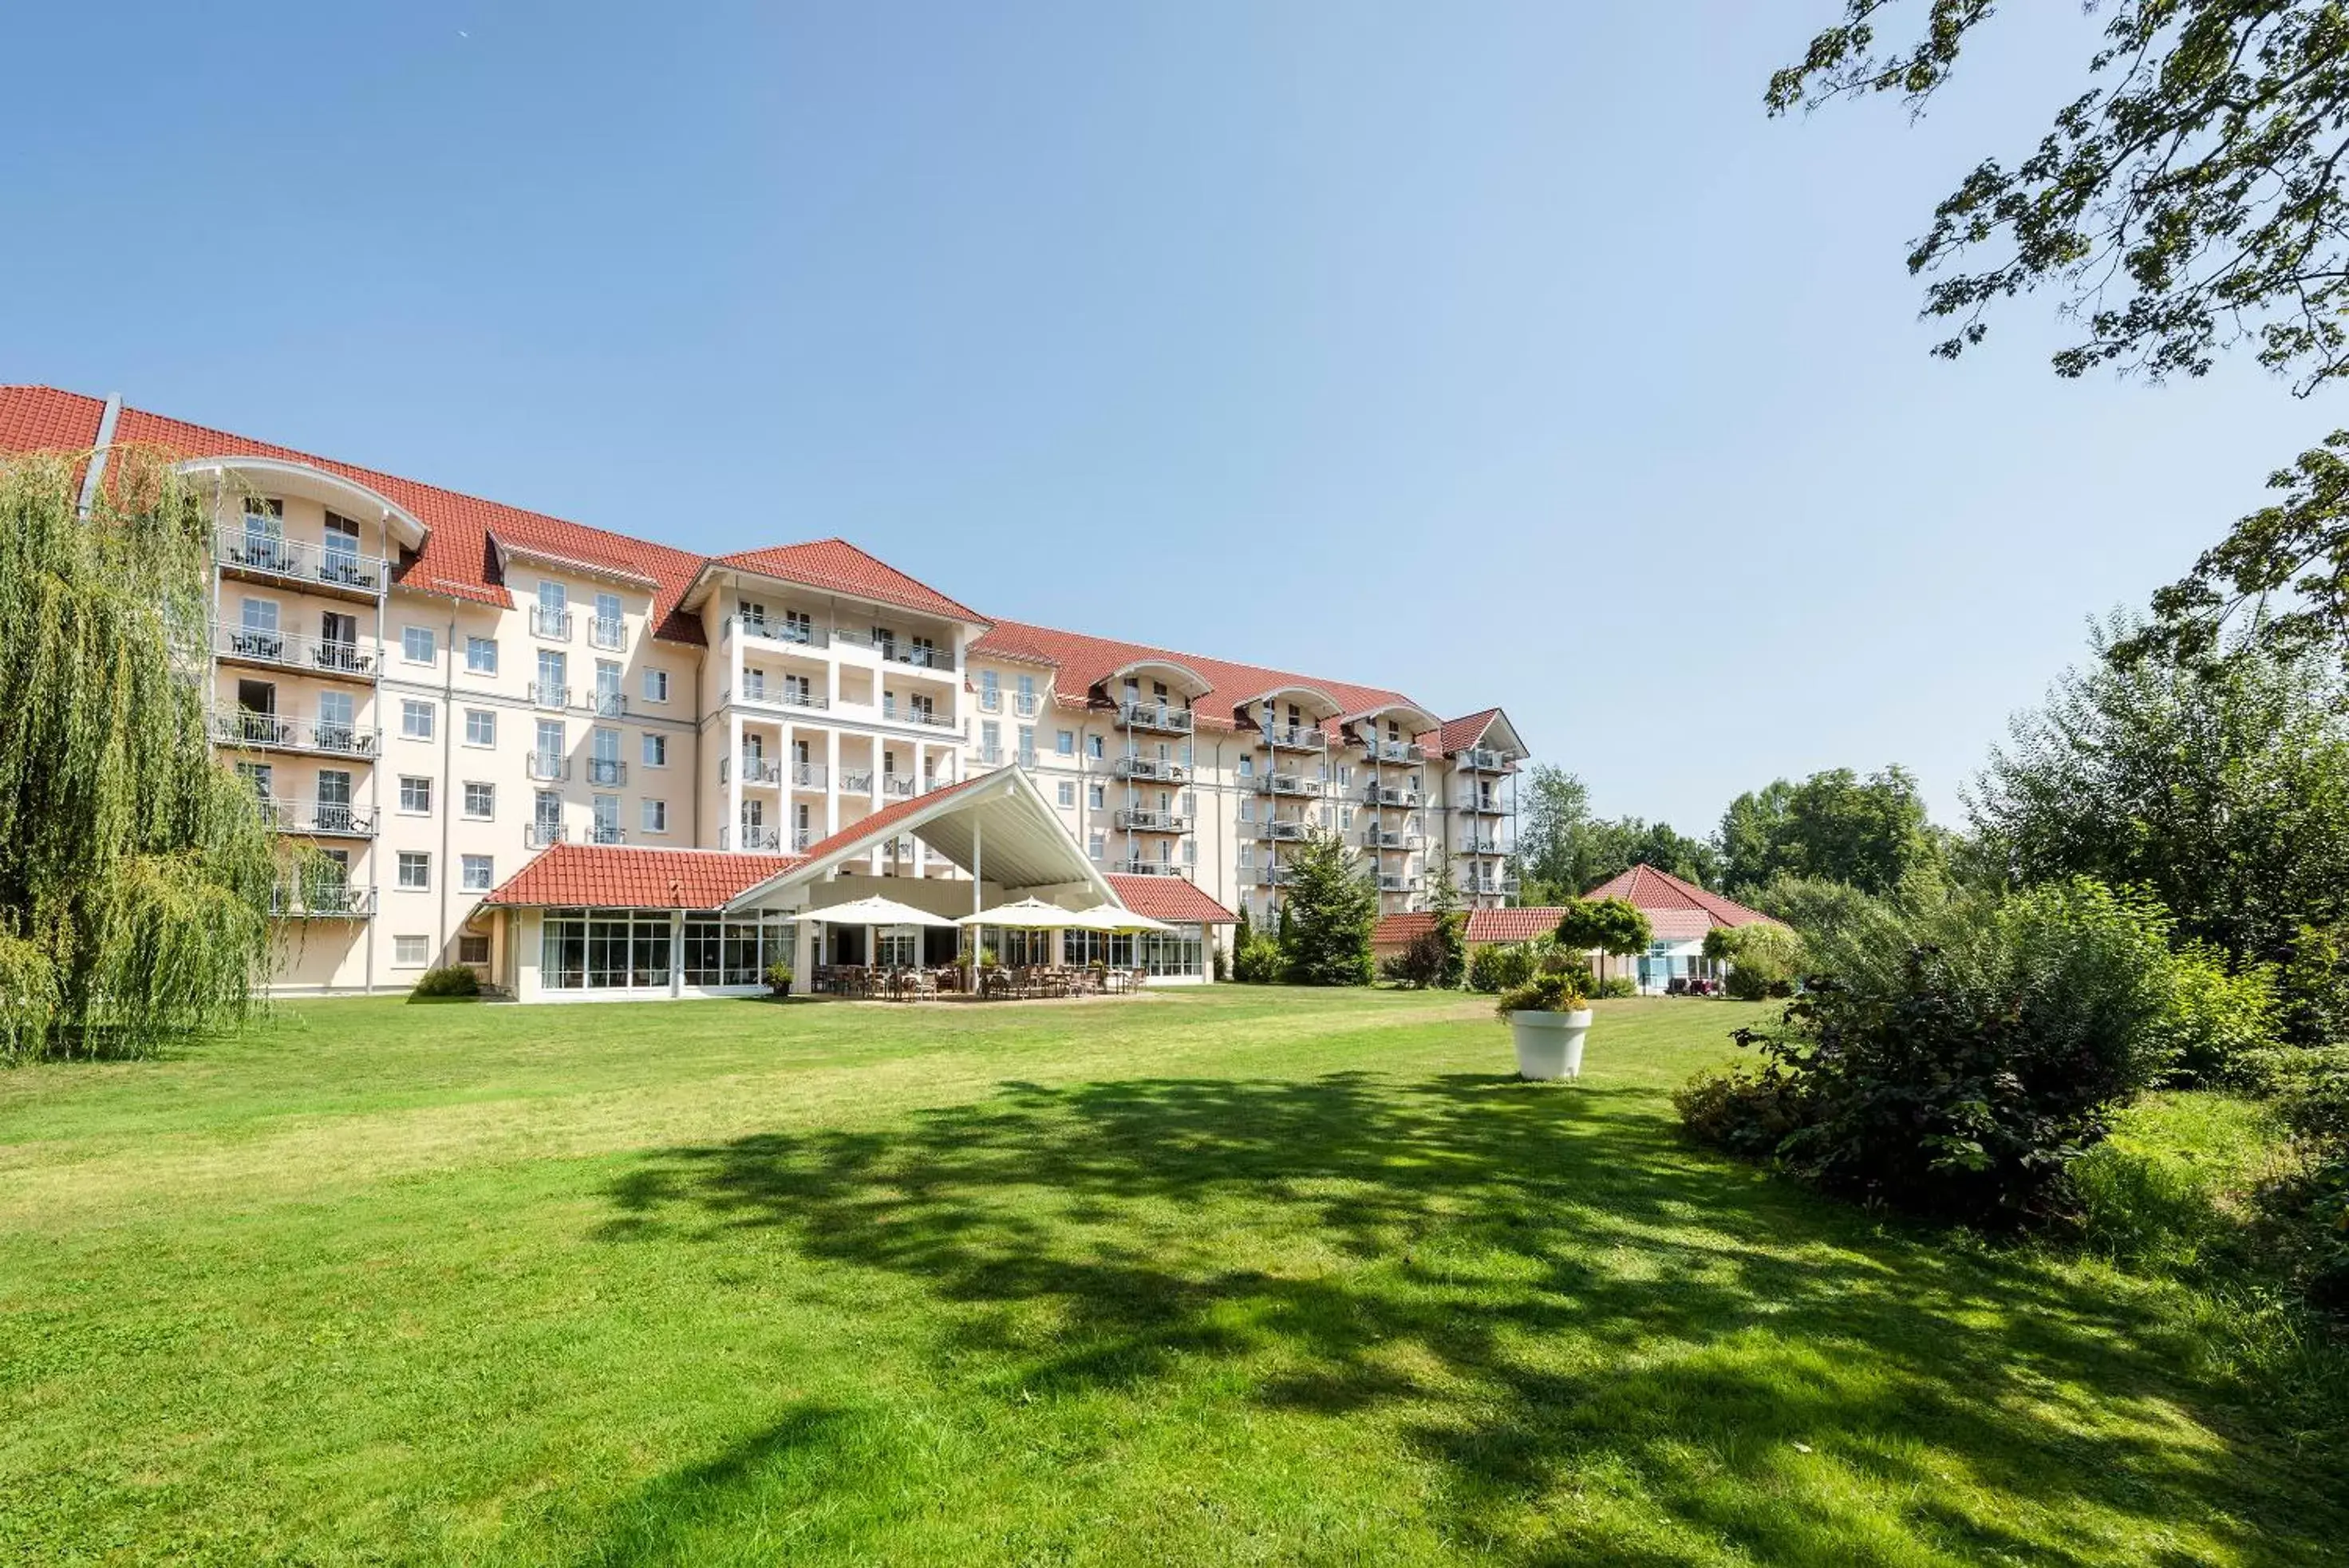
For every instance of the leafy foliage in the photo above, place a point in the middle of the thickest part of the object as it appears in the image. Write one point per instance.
(1451, 932)
(2219, 1019)
(1420, 964)
(1550, 991)
(1954, 1061)
(1497, 966)
(135, 872)
(1871, 833)
(2223, 789)
(1564, 851)
(1765, 959)
(2186, 201)
(1613, 927)
(449, 981)
(1328, 914)
(1257, 958)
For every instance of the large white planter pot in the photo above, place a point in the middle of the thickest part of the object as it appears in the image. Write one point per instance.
(1549, 1044)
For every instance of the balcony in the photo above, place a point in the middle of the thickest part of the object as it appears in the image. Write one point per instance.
(1389, 838)
(554, 625)
(990, 756)
(752, 838)
(328, 901)
(915, 654)
(604, 704)
(1381, 794)
(808, 775)
(1166, 718)
(1024, 704)
(1398, 882)
(1482, 806)
(1282, 832)
(1296, 737)
(896, 786)
(607, 771)
(754, 770)
(543, 835)
(1155, 770)
(1268, 876)
(990, 700)
(608, 632)
(1481, 759)
(1481, 846)
(1286, 784)
(1377, 751)
(1489, 887)
(319, 818)
(607, 833)
(1153, 822)
(262, 557)
(1025, 757)
(548, 768)
(1137, 867)
(292, 650)
(909, 713)
(801, 634)
(291, 732)
(544, 696)
(857, 780)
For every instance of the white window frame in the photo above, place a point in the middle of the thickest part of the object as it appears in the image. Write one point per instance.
(653, 815)
(410, 637)
(467, 864)
(465, 795)
(399, 949)
(400, 863)
(656, 750)
(417, 719)
(488, 714)
(418, 784)
(655, 685)
(473, 645)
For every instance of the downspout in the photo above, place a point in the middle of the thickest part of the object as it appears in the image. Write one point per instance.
(97, 472)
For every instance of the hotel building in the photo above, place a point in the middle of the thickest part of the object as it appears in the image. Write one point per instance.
(439, 693)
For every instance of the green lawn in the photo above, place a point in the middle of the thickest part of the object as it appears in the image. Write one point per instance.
(1241, 1275)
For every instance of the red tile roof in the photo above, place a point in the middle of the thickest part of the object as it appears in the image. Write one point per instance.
(1459, 734)
(840, 566)
(615, 876)
(876, 822)
(1083, 661)
(1679, 911)
(43, 419)
(1401, 931)
(1170, 898)
(1517, 925)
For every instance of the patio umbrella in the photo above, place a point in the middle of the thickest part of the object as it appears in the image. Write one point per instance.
(1027, 915)
(874, 913)
(1103, 918)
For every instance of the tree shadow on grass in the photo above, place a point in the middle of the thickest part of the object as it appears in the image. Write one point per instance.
(1545, 1293)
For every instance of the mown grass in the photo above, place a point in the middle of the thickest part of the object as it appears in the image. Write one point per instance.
(1242, 1275)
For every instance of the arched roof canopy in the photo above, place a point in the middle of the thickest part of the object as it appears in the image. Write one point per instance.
(1181, 679)
(1315, 704)
(1412, 719)
(310, 483)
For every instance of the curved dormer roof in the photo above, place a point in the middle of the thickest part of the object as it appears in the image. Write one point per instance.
(1180, 678)
(337, 491)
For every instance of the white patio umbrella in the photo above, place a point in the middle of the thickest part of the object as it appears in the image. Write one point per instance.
(873, 913)
(1026, 915)
(1103, 918)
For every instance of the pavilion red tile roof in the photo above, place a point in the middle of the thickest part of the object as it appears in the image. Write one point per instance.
(1521, 924)
(1401, 931)
(1170, 898)
(617, 876)
(1084, 662)
(840, 566)
(1678, 909)
(887, 818)
(1459, 734)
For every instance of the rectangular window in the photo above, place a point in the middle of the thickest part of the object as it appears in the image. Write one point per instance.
(1093, 746)
(1096, 796)
(656, 816)
(1247, 766)
(472, 950)
(481, 801)
(1097, 846)
(479, 874)
(1064, 742)
(481, 727)
(411, 952)
(416, 870)
(1068, 792)
(655, 685)
(414, 794)
(655, 751)
(415, 718)
(1248, 854)
(416, 643)
(482, 655)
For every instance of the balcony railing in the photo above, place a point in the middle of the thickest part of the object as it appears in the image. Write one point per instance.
(802, 634)
(990, 700)
(328, 901)
(1377, 750)
(1481, 759)
(607, 771)
(807, 775)
(1025, 757)
(552, 624)
(1286, 784)
(1390, 838)
(1482, 806)
(607, 833)
(1398, 882)
(1268, 876)
(1489, 887)
(991, 756)
(1137, 867)
(1284, 831)
(328, 819)
(1156, 768)
(907, 713)
(1168, 717)
(750, 838)
(1389, 794)
(606, 631)
(898, 650)
(311, 654)
(754, 770)
(543, 835)
(546, 696)
(604, 704)
(1153, 822)
(299, 561)
(1296, 737)
(896, 786)
(857, 781)
(291, 732)
(1023, 703)
(547, 767)
(800, 838)
(1481, 846)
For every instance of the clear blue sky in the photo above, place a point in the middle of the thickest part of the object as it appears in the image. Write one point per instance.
(1496, 352)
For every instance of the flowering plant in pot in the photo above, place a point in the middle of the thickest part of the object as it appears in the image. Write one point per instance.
(1549, 1017)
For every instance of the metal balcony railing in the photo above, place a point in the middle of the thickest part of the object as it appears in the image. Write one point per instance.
(1268, 876)
(1482, 806)
(607, 771)
(803, 634)
(992, 756)
(990, 700)
(1153, 822)
(807, 775)
(1286, 784)
(1023, 703)
(1026, 758)
(1381, 794)
(1390, 838)
(751, 838)
(300, 561)
(552, 624)
(1481, 759)
(329, 819)
(547, 767)
(540, 834)
(1481, 846)
(1156, 768)
(606, 631)
(328, 901)
(1137, 867)
(607, 833)
(312, 655)
(293, 732)
(546, 696)
(1296, 737)
(754, 770)
(1284, 831)
(909, 713)
(896, 786)
(857, 781)
(1377, 750)
(1168, 717)
(1398, 882)
(604, 704)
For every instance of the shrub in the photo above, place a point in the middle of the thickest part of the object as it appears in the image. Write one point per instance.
(1497, 966)
(1551, 991)
(1956, 1061)
(1613, 986)
(1613, 927)
(1258, 960)
(2315, 987)
(1421, 962)
(1765, 960)
(449, 980)
(779, 978)
(2219, 1022)
(1745, 1113)
(1221, 959)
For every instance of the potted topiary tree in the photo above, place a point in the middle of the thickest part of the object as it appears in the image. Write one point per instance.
(779, 978)
(1548, 1020)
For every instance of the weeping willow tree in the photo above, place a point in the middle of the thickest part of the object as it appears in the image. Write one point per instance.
(136, 873)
